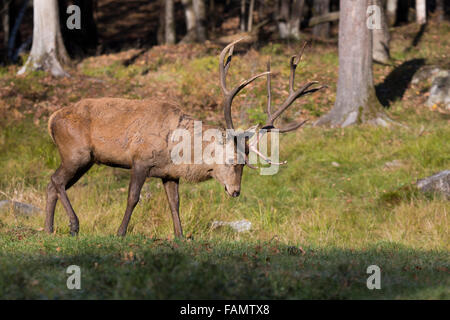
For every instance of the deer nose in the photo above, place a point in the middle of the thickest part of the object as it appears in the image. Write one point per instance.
(235, 194)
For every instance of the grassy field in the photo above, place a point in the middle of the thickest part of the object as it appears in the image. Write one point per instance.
(316, 227)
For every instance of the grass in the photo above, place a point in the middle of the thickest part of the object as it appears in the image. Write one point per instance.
(316, 227)
(34, 267)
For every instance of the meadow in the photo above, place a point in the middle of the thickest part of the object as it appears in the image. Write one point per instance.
(345, 200)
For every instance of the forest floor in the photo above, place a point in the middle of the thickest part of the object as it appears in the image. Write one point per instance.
(337, 207)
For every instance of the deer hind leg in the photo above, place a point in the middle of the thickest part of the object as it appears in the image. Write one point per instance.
(52, 196)
(171, 188)
(65, 176)
(138, 176)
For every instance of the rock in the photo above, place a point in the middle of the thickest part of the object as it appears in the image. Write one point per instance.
(19, 208)
(238, 226)
(440, 90)
(438, 183)
(335, 164)
(393, 164)
(425, 73)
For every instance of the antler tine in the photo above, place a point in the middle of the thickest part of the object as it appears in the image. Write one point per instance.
(229, 95)
(291, 98)
(292, 127)
(223, 68)
(294, 62)
(269, 91)
(293, 95)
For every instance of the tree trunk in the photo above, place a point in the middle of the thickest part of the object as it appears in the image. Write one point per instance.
(200, 20)
(289, 14)
(5, 22)
(391, 11)
(283, 19)
(242, 16)
(421, 11)
(48, 51)
(381, 37)
(356, 101)
(169, 25)
(296, 17)
(161, 33)
(250, 15)
(321, 7)
(14, 36)
(440, 10)
(190, 21)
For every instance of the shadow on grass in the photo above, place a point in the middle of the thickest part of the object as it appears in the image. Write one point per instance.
(417, 38)
(135, 268)
(396, 83)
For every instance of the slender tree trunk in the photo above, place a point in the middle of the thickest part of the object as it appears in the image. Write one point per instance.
(14, 36)
(250, 15)
(212, 16)
(356, 101)
(242, 16)
(391, 11)
(381, 37)
(440, 10)
(169, 25)
(5, 22)
(421, 11)
(200, 20)
(190, 21)
(321, 7)
(161, 33)
(48, 51)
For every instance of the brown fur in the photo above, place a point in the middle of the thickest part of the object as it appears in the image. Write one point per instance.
(132, 134)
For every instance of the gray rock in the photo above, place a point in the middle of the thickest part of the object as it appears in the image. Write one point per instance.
(335, 164)
(238, 226)
(425, 73)
(393, 164)
(437, 183)
(440, 90)
(19, 208)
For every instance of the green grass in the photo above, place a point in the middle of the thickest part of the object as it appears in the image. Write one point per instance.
(344, 218)
(34, 267)
(316, 227)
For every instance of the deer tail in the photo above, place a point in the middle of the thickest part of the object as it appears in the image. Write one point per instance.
(49, 126)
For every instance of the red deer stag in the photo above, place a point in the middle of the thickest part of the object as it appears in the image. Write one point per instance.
(135, 134)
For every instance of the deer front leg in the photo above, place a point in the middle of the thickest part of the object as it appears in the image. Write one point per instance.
(171, 187)
(138, 176)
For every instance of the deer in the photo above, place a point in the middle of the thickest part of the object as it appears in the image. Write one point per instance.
(135, 135)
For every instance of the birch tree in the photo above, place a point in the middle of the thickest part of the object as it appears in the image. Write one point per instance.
(47, 51)
(169, 22)
(381, 36)
(391, 11)
(421, 11)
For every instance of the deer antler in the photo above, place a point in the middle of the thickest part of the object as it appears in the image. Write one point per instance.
(293, 95)
(230, 94)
